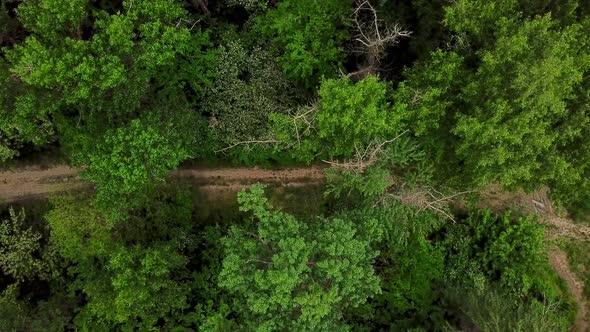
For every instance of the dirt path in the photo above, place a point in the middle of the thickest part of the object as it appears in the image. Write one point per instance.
(559, 261)
(495, 198)
(32, 182)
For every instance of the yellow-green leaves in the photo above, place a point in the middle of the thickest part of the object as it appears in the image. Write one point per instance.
(517, 97)
(351, 115)
(51, 18)
(131, 160)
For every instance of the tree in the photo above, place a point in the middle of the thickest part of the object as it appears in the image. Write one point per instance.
(352, 115)
(32, 294)
(24, 118)
(248, 88)
(410, 267)
(287, 274)
(502, 248)
(506, 104)
(309, 35)
(78, 230)
(518, 99)
(22, 254)
(144, 60)
(130, 161)
(132, 271)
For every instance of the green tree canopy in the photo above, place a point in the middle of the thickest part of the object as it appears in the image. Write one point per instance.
(309, 35)
(352, 115)
(288, 274)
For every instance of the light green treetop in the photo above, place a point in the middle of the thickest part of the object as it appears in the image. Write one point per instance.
(287, 274)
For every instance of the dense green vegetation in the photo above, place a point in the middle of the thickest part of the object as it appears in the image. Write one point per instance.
(407, 103)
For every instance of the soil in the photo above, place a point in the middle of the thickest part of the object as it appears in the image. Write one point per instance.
(33, 182)
(495, 198)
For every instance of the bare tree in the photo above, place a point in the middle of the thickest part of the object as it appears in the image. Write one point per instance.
(373, 36)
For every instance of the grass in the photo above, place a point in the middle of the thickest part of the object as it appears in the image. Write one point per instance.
(578, 253)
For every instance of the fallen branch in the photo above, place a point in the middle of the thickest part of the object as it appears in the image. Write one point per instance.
(420, 199)
(271, 141)
(366, 158)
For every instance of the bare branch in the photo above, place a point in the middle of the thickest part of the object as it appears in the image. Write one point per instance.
(366, 158)
(374, 36)
(270, 141)
(428, 198)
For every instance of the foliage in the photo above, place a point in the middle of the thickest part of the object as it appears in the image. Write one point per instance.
(24, 119)
(248, 87)
(420, 98)
(31, 294)
(250, 5)
(483, 92)
(131, 272)
(141, 62)
(17, 314)
(132, 159)
(519, 96)
(309, 35)
(286, 274)
(369, 184)
(509, 250)
(78, 230)
(410, 267)
(402, 163)
(137, 288)
(409, 286)
(354, 114)
(491, 311)
(22, 254)
(505, 103)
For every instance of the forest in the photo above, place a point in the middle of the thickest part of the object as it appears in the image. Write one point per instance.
(416, 116)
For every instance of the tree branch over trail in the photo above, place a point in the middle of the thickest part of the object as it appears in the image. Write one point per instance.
(365, 158)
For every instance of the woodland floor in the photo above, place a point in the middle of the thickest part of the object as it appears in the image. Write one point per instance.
(32, 182)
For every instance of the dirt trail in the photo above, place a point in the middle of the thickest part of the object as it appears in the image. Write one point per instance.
(498, 200)
(32, 182)
(559, 261)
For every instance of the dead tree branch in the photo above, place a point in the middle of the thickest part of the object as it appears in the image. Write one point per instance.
(307, 118)
(251, 142)
(364, 158)
(428, 198)
(373, 36)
